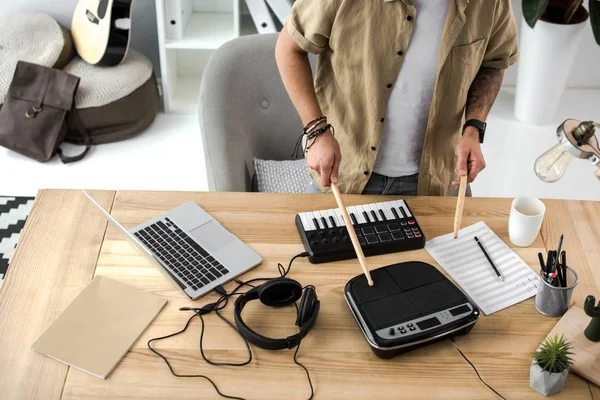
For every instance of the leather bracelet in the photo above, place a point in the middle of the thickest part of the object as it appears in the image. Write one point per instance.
(313, 124)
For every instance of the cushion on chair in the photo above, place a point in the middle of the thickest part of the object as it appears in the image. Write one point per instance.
(281, 176)
(115, 103)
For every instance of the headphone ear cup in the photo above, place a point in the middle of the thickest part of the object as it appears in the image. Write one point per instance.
(307, 306)
(279, 292)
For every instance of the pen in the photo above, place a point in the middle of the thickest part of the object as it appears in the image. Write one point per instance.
(542, 263)
(564, 268)
(489, 259)
(560, 242)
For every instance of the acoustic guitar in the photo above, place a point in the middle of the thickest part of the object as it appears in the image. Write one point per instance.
(101, 30)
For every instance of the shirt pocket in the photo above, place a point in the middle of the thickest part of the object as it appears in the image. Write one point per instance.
(466, 62)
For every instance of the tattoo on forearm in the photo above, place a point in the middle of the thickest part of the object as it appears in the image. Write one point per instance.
(483, 90)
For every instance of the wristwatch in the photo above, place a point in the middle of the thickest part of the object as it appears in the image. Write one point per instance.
(480, 125)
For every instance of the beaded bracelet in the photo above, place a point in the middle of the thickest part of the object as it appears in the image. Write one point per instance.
(319, 131)
(316, 135)
(312, 134)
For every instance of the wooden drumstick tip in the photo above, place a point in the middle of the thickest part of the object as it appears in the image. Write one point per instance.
(460, 204)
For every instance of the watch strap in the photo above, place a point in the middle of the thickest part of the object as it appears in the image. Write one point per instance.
(480, 125)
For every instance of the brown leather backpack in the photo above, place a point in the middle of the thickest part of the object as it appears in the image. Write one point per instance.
(38, 113)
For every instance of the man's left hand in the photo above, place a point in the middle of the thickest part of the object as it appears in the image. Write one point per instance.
(470, 158)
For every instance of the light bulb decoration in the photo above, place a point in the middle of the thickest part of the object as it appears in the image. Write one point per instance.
(576, 139)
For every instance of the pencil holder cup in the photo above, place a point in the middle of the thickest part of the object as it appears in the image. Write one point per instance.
(554, 301)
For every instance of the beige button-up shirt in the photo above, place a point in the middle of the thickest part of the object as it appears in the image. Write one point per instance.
(362, 45)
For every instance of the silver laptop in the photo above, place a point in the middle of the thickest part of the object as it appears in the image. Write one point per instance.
(190, 247)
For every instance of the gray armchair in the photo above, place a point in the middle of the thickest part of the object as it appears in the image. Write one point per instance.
(245, 112)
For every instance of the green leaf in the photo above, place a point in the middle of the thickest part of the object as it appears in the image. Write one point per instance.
(533, 10)
(554, 354)
(595, 18)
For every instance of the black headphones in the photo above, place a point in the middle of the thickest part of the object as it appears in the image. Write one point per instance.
(279, 292)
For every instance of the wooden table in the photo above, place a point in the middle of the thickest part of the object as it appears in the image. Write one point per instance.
(66, 242)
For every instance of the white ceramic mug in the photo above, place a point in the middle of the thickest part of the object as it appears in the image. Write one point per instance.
(525, 221)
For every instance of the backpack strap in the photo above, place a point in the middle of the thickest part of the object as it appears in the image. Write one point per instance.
(74, 122)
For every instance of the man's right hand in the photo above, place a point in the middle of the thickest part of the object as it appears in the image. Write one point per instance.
(324, 156)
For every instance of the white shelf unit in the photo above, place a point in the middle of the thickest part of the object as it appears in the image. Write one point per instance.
(211, 24)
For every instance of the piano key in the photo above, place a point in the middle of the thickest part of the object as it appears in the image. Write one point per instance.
(324, 222)
(306, 223)
(315, 221)
(332, 218)
(318, 216)
(325, 214)
(374, 211)
(395, 213)
(338, 213)
(405, 208)
(374, 216)
(366, 216)
(332, 222)
(398, 205)
(378, 208)
(353, 213)
(358, 213)
(387, 209)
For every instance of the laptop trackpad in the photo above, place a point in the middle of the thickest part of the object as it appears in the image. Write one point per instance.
(212, 236)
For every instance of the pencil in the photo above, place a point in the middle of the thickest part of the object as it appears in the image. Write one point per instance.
(460, 204)
(489, 259)
(351, 232)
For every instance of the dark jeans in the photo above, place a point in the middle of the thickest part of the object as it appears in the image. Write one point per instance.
(385, 185)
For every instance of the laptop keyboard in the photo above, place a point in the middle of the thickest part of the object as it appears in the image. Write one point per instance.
(186, 258)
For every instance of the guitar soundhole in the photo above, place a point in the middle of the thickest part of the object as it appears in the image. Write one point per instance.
(102, 8)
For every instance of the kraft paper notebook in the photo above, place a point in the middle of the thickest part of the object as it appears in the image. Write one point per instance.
(98, 328)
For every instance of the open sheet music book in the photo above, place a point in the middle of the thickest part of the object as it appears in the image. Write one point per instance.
(466, 264)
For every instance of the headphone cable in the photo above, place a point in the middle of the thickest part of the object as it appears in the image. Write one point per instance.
(216, 307)
(475, 369)
(186, 375)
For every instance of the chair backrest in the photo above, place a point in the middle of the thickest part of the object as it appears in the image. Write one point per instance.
(245, 112)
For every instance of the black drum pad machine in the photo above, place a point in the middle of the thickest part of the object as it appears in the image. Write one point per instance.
(410, 305)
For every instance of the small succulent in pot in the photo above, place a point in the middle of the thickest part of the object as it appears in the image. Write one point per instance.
(551, 364)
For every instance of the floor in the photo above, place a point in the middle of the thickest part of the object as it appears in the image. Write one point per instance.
(169, 156)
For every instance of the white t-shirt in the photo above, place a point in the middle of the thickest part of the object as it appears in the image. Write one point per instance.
(408, 107)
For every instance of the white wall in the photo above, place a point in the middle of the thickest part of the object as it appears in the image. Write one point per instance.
(144, 36)
(586, 68)
(585, 73)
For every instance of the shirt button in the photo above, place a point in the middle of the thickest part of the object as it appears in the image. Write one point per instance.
(366, 172)
(373, 148)
(409, 18)
(400, 52)
(389, 85)
(381, 120)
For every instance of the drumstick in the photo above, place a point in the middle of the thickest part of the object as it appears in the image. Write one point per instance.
(460, 204)
(351, 232)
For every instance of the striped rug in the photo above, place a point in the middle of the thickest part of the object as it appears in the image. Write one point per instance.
(13, 214)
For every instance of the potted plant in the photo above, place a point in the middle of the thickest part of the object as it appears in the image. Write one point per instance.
(551, 365)
(550, 33)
